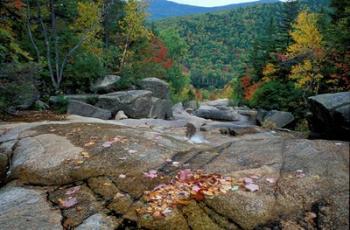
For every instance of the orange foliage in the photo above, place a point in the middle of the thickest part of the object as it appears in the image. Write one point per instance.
(159, 54)
(249, 88)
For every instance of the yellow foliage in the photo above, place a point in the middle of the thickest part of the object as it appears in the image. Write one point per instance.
(268, 72)
(307, 38)
(305, 75)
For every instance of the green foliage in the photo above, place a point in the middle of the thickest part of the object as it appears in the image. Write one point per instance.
(278, 95)
(16, 85)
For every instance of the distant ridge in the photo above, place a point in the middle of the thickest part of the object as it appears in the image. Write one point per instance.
(161, 9)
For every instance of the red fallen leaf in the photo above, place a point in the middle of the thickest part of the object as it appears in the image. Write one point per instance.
(185, 174)
(72, 190)
(199, 196)
(70, 202)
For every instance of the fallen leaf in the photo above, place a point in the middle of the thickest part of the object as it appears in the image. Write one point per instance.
(122, 176)
(248, 180)
(252, 187)
(72, 190)
(70, 202)
(271, 180)
(151, 174)
(107, 144)
(90, 143)
(185, 174)
(85, 154)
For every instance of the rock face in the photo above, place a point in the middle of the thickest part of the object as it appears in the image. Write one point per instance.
(211, 112)
(86, 110)
(106, 84)
(42, 159)
(158, 87)
(98, 222)
(161, 108)
(135, 103)
(24, 208)
(99, 175)
(120, 116)
(331, 115)
(219, 103)
(274, 118)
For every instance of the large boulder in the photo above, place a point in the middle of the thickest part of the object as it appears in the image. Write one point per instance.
(134, 103)
(106, 84)
(158, 87)
(274, 118)
(86, 110)
(25, 208)
(219, 103)
(101, 168)
(211, 112)
(331, 115)
(161, 109)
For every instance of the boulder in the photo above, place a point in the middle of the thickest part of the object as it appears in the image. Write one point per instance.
(161, 109)
(99, 167)
(158, 87)
(191, 105)
(120, 116)
(217, 103)
(86, 98)
(42, 159)
(106, 84)
(331, 115)
(211, 112)
(40, 105)
(86, 110)
(25, 208)
(274, 118)
(134, 103)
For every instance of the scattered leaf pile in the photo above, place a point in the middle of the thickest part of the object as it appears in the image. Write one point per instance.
(187, 185)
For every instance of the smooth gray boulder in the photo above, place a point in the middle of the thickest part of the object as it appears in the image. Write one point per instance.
(217, 103)
(211, 112)
(42, 159)
(106, 84)
(158, 87)
(26, 208)
(134, 103)
(331, 115)
(86, 98)
(86, 110)
(161, 109)
(274, 118)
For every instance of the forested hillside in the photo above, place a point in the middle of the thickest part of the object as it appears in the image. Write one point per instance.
(223, 45)
(160, 9)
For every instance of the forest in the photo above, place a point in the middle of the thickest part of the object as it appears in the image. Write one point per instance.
(270, 56)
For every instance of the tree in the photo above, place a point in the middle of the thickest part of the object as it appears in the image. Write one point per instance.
(55, 28)
(132, 30)
(10, 15)
(308, 44)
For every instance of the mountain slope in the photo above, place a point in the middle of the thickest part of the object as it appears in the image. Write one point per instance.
(160, 9)
(223, 45)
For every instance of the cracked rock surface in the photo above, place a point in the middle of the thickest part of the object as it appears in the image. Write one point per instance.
(63, 175)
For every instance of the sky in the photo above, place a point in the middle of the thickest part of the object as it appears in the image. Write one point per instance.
(210, 3)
